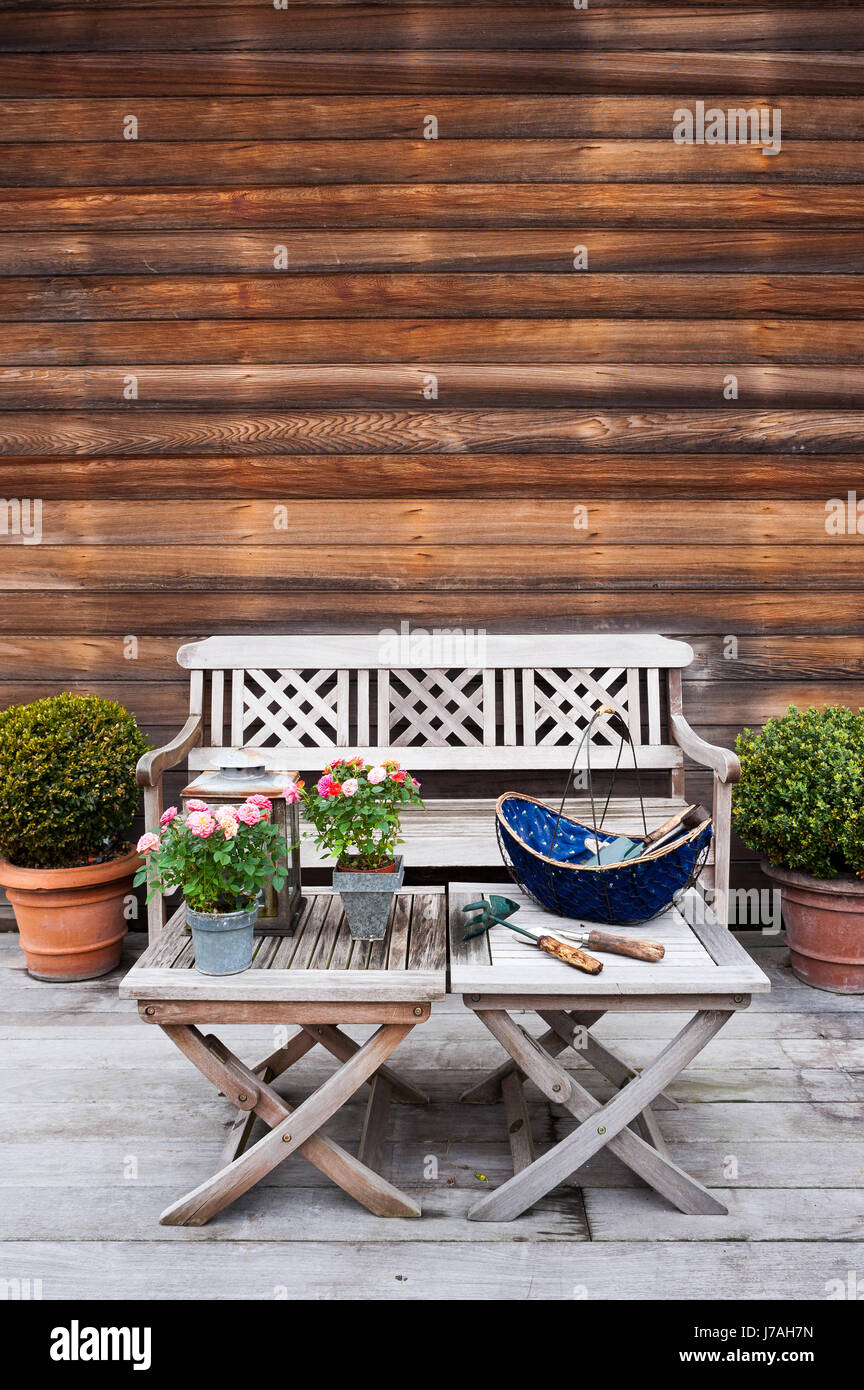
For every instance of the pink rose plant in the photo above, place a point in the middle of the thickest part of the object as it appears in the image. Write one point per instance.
(222, 857)
(355, 810)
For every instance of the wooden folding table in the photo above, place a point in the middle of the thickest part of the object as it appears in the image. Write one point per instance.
(319, 978)
(705, 972)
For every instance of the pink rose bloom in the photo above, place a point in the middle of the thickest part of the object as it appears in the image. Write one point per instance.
(264, 804)
(399, 775)
(228, 827)
(416, 783)
(200, 823)
(148, 842)
(350, 786)
(197, 806)
(249, 814)
(324, 784)
(292, 791)
(167, 816)
(376, 775)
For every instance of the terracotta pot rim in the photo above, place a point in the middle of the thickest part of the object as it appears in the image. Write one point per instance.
(845, 884)
(36, 880)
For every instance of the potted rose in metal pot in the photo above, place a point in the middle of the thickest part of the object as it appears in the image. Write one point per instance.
(222, 857)
(800, 804)
(355, 809)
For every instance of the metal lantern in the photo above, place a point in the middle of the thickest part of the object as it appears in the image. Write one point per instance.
(234, 780)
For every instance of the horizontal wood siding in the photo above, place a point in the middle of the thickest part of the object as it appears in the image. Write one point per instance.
(282, 361)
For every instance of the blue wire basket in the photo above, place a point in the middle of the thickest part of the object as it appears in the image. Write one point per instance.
(540, 847)
(615, 894)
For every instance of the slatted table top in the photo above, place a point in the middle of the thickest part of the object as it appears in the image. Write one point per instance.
(701, 959)
(320, 962)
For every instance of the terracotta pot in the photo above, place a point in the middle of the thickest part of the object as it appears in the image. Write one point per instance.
(71, 920)
(824, 928)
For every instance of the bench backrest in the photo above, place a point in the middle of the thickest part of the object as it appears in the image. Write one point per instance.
(438, 701)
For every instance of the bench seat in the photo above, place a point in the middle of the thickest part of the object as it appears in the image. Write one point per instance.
(452, 834)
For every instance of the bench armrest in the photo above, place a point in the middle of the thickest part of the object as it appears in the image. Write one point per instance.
(721, 760)
(150, 768)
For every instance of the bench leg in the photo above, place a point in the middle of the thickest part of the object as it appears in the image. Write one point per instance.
(609, 1123)
(292, 1130)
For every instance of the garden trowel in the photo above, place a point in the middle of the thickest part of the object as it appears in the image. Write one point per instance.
(498, 909)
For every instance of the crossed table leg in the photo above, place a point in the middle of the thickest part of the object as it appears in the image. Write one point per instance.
(295, 1129)
(626, 1123)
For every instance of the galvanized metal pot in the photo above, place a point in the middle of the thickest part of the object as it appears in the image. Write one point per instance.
(367, 897)
(223, 940)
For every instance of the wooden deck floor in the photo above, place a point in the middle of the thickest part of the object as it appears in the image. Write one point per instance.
(104, 1123)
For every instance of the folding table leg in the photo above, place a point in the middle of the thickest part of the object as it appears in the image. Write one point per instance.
(597, 1054)
(525, 1188)
(291, 1130)
(271, 1066)
(371, 1150)
(489, 1090)
(344, 1047)
(518, 1123)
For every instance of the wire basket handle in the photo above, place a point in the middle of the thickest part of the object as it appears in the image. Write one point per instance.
(619, 727)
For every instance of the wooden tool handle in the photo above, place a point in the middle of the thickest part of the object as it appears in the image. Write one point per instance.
(571, 955)
(635, 946)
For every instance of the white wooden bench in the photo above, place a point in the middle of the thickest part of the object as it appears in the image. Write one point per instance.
(521, 703)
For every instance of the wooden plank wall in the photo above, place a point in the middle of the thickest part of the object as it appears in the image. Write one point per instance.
(248, 307)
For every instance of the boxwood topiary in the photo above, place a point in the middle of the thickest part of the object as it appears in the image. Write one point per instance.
(800, 800)
(67, 780)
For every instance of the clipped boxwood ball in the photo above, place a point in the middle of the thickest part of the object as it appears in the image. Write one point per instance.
(800, 800)
(67, 780)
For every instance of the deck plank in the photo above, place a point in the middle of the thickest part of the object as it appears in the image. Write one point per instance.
(407, 1271)
(781, 1091)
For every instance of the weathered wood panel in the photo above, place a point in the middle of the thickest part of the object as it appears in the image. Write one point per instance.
(482, 340)
(393, 117)
(448, 72)
(434, 250)
(44, 299)
(280, 294)
(679, 477)
(574, 206)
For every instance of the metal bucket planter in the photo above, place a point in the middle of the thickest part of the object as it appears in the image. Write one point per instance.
(367, 896)
(223, 940)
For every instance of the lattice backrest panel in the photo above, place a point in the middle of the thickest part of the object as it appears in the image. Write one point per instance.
(466, 718)
(521, 701)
